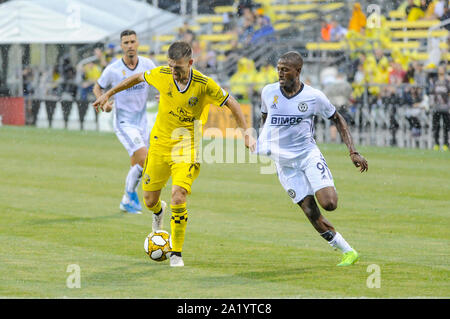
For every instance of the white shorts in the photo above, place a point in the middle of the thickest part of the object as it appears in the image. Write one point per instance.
(305, 176)
(132, 137)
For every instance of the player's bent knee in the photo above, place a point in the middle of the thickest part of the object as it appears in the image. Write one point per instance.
(329, 204)
(179, 195)
(150, 200)
(327, 198)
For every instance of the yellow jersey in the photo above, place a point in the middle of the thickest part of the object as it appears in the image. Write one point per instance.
(181, 110)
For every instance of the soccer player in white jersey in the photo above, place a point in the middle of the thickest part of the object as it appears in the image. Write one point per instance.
(288, 109)
(130, 119)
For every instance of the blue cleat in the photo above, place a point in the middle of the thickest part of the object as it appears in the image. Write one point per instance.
(134, 201)
(129, 208)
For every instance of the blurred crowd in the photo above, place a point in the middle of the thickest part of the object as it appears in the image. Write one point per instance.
(375, 74)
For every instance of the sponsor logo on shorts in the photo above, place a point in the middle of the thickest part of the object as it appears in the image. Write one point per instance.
(291, 193)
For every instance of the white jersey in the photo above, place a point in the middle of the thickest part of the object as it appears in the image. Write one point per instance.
(130, 104)
(288, 132)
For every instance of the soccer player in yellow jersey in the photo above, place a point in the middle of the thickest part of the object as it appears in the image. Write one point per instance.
(185, 96)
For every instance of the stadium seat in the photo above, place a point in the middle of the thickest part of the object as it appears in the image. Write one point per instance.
(204, 19)
(403, 24)
(294, 7)
(164, 38)
(329, 7)
(403, 45)
(217, 37)
(217, 28)
(419, 34)
(143, 49)
(221, 47)
(307, 16)
(282, 26)
(224, 9)
(326, 46)
(397, 14)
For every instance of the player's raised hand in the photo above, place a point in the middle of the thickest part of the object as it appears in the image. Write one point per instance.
(359, 161)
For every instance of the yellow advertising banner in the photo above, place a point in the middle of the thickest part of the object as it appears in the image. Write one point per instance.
(221, 119)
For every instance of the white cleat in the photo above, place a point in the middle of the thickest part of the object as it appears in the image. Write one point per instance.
(176, 261)
(158, 219)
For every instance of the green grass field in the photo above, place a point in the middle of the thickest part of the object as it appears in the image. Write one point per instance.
(59, 198)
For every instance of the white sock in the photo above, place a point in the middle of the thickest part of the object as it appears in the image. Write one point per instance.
(339, 242)
(133, 178)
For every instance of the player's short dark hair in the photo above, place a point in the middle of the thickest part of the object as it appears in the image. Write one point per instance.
(124, 33)
(293, 57)
(178, 50)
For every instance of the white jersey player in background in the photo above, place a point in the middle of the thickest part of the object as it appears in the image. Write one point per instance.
(130, 117)
(288, 109)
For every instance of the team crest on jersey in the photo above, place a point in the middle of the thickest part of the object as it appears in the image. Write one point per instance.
(275, 101)
(124, 73)
(193, 101)
(302, 107)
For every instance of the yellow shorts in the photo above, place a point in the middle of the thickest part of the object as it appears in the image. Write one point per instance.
(160, 166)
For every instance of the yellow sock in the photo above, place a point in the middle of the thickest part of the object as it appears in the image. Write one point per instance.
(178, 224)
(155, 209)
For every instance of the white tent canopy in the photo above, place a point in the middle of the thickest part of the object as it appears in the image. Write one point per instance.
(78, 21)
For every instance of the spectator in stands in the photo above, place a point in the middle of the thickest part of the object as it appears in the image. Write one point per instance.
(242, 81)
(68, 87)
(409, 75)
(91, 73)
(266, 74)
(28, 91)
(413, 11)
(204, 57)
(439, 91)
(445, 16)
(429, 11)
(337, 32)
(325, 31)
(419, 76)
(229, 23)
(186, 34)
(397, 74)
(439, 8)
(246, 26)
(416, 101)
(101, 58)
(264, 30)
(110, 53)
(358, 19)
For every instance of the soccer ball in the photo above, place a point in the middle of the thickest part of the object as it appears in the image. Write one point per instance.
(157, 245)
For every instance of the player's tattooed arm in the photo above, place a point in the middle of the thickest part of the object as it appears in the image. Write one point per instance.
(343, 129)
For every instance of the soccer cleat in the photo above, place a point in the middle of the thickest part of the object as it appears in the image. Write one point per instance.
(176, 261)
(128, 208)
(436, 147)
(158, 218)
(349, 258)
(134, 200)
(445, 148)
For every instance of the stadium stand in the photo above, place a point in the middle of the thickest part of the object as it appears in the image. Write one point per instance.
(374, 49)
